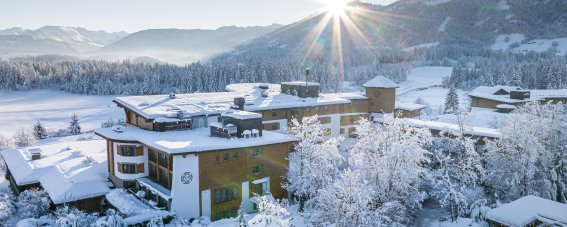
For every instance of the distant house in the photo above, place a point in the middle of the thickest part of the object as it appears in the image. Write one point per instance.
(529, 211)
(71, 173)
(408, 110)
(505, 98)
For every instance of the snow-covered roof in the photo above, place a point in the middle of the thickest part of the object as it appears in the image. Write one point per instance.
(190, 141)
(443, 126)
(491, 94)
(492, 90)
(527, 209)
(159, 106)
(506, 106)
(408, 106)
(135, 210)
(65, 174)
(241, 115)
(380, 82)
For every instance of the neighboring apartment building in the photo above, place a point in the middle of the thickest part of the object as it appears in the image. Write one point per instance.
(506, 98)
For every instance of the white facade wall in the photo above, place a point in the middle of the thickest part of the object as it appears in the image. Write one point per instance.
(128, 159)
(185, 197)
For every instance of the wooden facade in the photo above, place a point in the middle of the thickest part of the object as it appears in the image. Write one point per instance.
(382, 100)
(408, 113)
(229, 168)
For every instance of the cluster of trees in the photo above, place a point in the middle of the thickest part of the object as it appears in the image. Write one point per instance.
(531, 157)
(392, 168)
(381, 180)
(29, 137)
(531, 70)
(126, 78)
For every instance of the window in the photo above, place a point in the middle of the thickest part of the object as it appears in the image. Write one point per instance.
(216, 159)
(274, 113)
(163, 177)
(257, 169)
(276, 126)
(235, 156)
(226, 214)
(129, 184)
(152, 156)
(325, 120)
(127, 150)
(163, 160)
(258, 152)
(225, 195)
(226, 157)
(153, 171)
(129, 168)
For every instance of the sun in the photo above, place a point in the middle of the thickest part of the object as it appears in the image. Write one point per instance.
(336, 6)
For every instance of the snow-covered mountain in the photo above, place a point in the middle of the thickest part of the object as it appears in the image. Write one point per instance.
(49, 39)
(409, 23)
(184, 45)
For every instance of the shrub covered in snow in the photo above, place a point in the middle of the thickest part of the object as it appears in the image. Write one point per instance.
(7, 208)
(111, 219)
(39, 131)
(66, 216)
(270, 214)
(24, 138)
(33, 203)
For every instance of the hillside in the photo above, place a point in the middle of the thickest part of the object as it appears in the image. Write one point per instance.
(408, 23)
(183, 45)
(52, 37)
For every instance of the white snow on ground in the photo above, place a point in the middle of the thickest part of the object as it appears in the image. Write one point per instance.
(424, 77)
(502, 44)
(435, 2)
(503, 5)
(479, 117)
(53, 109)
(542, 45)
(443, 25)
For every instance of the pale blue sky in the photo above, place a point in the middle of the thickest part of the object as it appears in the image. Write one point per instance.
(135, 15)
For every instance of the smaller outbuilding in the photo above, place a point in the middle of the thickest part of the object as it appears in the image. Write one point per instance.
(529, 211)
(70, 172)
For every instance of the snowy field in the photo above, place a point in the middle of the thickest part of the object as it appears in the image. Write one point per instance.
(504, 41)
(53, 108)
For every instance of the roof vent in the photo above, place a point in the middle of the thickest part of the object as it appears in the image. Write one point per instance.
(180, 114)
(172, 95)
(239, 101)
(35, 153)
(117, 128)
(264, 86)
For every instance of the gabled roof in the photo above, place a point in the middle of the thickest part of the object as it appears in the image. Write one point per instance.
(65, 174)
(495, 90)
(380, 82)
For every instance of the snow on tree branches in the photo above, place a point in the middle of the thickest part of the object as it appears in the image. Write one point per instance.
(74, 127)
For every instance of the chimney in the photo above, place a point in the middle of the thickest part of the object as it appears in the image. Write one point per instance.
(239, 102)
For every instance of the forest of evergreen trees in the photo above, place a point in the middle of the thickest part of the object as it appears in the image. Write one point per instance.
(473, 67)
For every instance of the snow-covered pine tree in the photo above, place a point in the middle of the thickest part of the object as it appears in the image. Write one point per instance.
(241, 218)
(39, 131)
(452, 101)
(74, 127)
